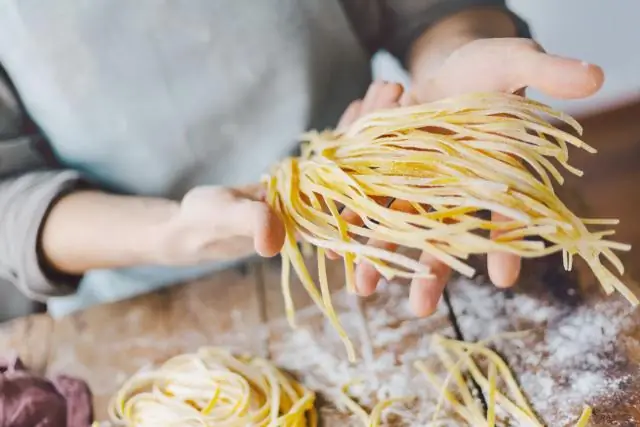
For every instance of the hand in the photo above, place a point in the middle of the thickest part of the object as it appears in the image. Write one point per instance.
(506, 65)
(489, 65)
(217, 223)
(424, 293)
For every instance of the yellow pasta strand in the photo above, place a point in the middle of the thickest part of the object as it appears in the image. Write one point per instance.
(368, 420)
(583, 421)
(491, 404)
(212, 387)
(443, 163)
(459, 358)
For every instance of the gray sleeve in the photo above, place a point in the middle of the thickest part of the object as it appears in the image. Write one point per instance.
(29, 184)
(394, 25)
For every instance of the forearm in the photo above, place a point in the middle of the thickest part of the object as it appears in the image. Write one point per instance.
(440, 40)
(89, 230)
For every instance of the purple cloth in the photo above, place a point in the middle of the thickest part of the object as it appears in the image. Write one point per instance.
(28, 400)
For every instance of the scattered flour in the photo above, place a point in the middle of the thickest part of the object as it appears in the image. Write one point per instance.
(315, 354)
(567, 360)
(563, 363)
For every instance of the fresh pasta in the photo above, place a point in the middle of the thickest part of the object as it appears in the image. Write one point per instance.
(212, 387)
(498, 385)
(373, 419)
(443, 164)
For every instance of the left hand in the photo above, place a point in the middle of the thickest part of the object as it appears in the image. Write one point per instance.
(486, 65)
(507, 65)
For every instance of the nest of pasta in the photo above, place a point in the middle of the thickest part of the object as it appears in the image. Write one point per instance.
(451, 161)
(213, 387)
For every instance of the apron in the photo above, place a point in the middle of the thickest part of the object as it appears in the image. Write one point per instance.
(154, 97)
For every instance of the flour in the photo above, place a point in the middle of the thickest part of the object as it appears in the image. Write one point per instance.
(568, 358)
(563, 363)
(315, 353)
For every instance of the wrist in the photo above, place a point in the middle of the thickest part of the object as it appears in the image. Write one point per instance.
(178, 240)
(436, 44)
(89, 230)
(154, 238)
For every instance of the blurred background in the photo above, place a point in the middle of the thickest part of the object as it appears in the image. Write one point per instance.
(604, 33)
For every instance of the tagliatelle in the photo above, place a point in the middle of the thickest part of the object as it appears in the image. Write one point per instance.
(374, 419)
(460, 359)
(443, 163)
(212, 387)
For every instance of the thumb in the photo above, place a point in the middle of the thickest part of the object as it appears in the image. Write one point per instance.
(257, 220)
(555, 76)
(509, 65)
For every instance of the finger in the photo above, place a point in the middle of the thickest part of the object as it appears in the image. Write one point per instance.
(520, 63)
(269, 233)
(256, 192)
(351, 217)
(425, 294)
(408, 99)
(381, 95)
(504, 268)
(367, 276)
(332, 255)
(354, 219)
(350, 115)
(558, 77)
(256, 220)
(510, 64)
(389, 96)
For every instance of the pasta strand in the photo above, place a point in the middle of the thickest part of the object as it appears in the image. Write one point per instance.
(444, 163)
(210, 388)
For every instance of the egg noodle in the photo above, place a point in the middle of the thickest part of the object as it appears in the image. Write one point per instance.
(443, 163)
(504, 407)
(373, 419)
(210, 388)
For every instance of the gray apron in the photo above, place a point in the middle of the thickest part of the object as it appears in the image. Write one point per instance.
(154, 97)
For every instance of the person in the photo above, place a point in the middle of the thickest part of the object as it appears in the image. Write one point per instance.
(131, 133)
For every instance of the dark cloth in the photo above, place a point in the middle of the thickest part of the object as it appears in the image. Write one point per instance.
(29, 400)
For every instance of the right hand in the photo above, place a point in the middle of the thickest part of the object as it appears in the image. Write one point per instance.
(425, 293)
(217, 223)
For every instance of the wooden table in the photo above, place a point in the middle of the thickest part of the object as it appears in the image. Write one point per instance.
(582, 348)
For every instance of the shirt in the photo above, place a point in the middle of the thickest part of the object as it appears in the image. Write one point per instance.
(153, 97)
